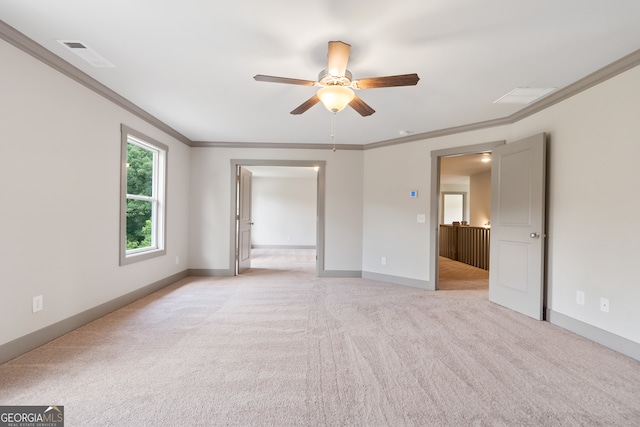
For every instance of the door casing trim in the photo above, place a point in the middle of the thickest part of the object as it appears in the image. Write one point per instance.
(320, 194)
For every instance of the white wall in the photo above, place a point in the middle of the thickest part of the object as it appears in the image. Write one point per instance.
(593, 208)
(60, 198)
(210, 204)
(480, 199)
(390, 222)
(390, 216)
(284, 211)
(593, 205)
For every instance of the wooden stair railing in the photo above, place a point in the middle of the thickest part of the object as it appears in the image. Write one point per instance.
(466, 244)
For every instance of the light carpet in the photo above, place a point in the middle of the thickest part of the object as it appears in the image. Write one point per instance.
(284, 348)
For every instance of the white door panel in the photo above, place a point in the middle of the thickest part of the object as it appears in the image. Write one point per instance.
(516, 273)
(244, 220)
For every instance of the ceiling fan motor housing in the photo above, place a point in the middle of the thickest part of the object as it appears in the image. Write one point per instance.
(326, 79)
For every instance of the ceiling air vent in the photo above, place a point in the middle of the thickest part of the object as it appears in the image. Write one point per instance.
(524, 95)
(86, 53)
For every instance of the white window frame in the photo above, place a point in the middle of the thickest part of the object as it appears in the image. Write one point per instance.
(158, 197)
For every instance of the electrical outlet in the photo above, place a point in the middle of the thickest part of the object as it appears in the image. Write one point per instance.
(37, 304)
(604, 304)
(580, 297)
(177, 260)
(383, 260)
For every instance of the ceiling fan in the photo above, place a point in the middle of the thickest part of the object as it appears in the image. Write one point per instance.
(336, 83)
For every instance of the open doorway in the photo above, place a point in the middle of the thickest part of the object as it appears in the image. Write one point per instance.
(517, 279)
(465, 212)
(287, 222)
(284, 215)
(461, 203)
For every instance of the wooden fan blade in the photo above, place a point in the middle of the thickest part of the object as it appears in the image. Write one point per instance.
(286, 80)
(306, 105)
(388, 81)
(338, 57)
(361, 107)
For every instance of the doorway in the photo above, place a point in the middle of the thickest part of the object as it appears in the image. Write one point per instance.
(517, 278)
(282, 249)
(450, 171)
(283, 218)
(465, 208)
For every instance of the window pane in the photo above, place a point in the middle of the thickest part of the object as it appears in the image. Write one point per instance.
(453, 208)
(142, 192)
(139, 220)
(139, 171)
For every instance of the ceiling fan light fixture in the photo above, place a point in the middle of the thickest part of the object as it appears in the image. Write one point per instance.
(337, 85)
(335, 98)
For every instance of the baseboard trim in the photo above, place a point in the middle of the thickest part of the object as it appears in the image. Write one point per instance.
(283, 246)
(204, 272)
(339, 274)
(607, 339)
(397, 280)
(26, 343)
(211, 272)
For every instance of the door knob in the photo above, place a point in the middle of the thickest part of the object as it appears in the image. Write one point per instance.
(534, 235)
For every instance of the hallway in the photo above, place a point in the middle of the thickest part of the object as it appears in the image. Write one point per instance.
(455, 275)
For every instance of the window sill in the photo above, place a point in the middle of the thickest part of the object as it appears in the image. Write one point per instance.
(141, 256)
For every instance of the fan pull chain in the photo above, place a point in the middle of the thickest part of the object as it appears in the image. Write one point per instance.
(333, 130)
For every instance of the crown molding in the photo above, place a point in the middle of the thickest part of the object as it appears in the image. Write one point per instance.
(19, 40)
(276, 145)
(14, 37)
(438, 133)
(605, 73)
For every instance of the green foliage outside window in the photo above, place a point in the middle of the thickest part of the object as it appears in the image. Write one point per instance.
(140, 183)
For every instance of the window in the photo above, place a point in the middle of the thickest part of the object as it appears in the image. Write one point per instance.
(142, 202)
(454, 207)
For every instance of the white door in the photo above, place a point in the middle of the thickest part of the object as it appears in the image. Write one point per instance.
(244, 220)
(516, 273)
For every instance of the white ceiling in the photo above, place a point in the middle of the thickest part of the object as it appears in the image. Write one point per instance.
(190, 63)
(458, 169)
